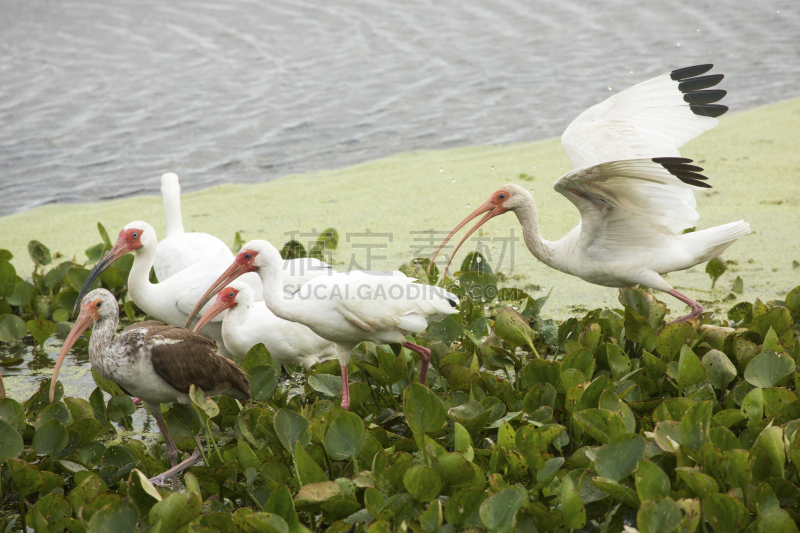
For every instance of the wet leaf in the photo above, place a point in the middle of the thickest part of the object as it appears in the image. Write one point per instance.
(291, 429)
(263, 382)
(715, 269)
(768, 368)
(423, 409)
(345, 436)
(618, 459)
(12, 328)
(422, 482)
(51, 438)
(498, 513)
(719, 369)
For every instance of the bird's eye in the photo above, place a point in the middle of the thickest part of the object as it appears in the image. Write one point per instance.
(502, 196)
(98, 304)
(135, 234)
(230, 294)
(248, 256)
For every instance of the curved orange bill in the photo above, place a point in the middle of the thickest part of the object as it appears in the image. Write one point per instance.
(219, 306)
(119, 249)
(234, 271)
(491, 211)
(84, 321)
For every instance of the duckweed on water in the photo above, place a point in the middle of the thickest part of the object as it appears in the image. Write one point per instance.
(599, 423)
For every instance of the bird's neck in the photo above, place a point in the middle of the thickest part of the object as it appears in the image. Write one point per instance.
(102, 335)
(274, 297)
(139, 277)
(172, 212)
(528, 218)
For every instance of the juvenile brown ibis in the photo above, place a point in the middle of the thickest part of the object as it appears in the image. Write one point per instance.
(345, 308)
(153, 361)
(632, 188)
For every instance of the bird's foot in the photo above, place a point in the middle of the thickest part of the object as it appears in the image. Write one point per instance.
(159, 481)
(697, 309)
(137, 401)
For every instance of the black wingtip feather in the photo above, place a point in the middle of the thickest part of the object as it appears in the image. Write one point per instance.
(690, 72)
(678, 167)
(704, 97)
(671, 160)
(711, 110)
(697, 84)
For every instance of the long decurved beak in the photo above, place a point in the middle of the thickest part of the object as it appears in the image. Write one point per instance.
(491, 211)
(118, 250)
(84, 321)
(219, 306)
(234, 271)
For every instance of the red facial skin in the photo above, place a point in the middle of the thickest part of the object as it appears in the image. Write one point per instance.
(493, 207)
(242, 264)
(225, 300)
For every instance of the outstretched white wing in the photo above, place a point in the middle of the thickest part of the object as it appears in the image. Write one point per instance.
(633, 206)
(652, 119)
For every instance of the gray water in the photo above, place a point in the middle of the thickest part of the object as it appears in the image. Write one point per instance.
(98, 99)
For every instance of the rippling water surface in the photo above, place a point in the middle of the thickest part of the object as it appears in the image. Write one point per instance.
(98, 99)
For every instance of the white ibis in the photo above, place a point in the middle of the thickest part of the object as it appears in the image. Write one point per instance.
(345, 308)
(249, 322)
(172, 300)
(632, 188)
(181, 250)
(154, 361)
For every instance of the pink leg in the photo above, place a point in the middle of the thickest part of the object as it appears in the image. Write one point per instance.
(136, 401)
(425, 354)
(175, 470)
(345, 389)
(696, 307)
(172, 451)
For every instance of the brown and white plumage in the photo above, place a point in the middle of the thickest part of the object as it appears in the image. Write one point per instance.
(153, 361)
(631, 186)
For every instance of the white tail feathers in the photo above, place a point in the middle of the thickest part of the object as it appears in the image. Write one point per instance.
(710, 243)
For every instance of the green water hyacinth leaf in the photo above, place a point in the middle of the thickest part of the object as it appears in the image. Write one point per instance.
(694, 425)
(345, 437)
(120, 517)
(51, 438)
(291, 428)
(475, 261)
(478, 286)
(176, 510)
(423, 409)
(11, 444)
(600, 424)
(639, 330)
(307, 469)
(700, 484)
(725, 514)
(432, 518)
(27, 478)
(258, 355)
(776, 520)
(471, 415)
(671, 339)
(753, 406)
(463, 504)
(663, 516)
(182, 422)
(263, 382)
(120, 407)
(715, 269)
(280, 503)
(738, 285)
(330, 386)
(41, 330)
(40, 254)
(572, 510)
(422, 482)
(719, 369)
(652, 482)
(618, 459)
(8, 279)
(12, 328)
(106, 385)
(498, 513)
(512, 327)
(768, 368)
(690, 369)
(771, 441)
